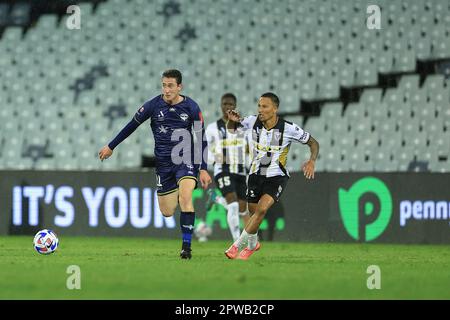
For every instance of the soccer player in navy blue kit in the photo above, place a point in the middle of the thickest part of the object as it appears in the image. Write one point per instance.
(178, 162)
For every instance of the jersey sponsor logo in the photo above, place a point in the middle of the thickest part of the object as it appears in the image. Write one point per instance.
(184, 116)
(264, 148)
(189, 226)
(232, 142)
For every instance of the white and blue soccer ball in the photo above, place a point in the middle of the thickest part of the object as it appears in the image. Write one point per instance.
(45, 241)
(202, 231)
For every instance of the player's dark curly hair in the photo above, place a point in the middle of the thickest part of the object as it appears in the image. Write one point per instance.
(273, 97)
(173, 73)
(229, 95)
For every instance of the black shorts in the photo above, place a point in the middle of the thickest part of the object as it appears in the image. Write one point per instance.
(231, 182)
(259, 185)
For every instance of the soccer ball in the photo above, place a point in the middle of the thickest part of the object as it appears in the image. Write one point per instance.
(45, 241)
(202, 231)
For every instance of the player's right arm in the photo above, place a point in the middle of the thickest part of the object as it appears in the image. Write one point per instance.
(246, 122)
(141, 115)
(210, 138)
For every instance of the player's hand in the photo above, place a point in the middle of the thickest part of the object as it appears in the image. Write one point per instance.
(105, 153)
(205, 179)
(233, 115)
(308, 169)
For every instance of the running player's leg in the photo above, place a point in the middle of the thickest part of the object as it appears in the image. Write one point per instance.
(168, 203)
(241, 192)
(253, 193)
(233, 214)
(167, 190)
(272, 189)
(227, 186)
(256, 219)
(186, 185)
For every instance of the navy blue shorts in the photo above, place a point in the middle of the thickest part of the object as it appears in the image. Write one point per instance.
(168, 176)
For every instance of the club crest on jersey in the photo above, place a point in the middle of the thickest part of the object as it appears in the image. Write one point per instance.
(184, 116)
(277, 135)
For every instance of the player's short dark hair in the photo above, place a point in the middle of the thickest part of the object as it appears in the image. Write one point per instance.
(273, 97)
(229, 95)
(173, 73)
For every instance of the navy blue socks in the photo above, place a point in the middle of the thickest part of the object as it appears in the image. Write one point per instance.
(187, 221)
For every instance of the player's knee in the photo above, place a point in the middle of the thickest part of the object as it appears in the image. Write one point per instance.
(167, 212)
(185, 202)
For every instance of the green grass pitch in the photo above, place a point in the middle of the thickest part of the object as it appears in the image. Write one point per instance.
(145, 268)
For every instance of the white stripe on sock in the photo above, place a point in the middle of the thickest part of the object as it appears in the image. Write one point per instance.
(252, 240)
(242, 239)
(233, 219)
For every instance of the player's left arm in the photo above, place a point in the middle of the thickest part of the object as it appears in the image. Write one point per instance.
(199, 131)
(297, 134)
(308, 166)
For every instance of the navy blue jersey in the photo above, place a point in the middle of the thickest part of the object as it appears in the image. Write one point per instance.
(166, 118)
(171, 125)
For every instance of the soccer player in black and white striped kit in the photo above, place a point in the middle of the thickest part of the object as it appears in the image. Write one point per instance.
(271, 138)
(228, 150)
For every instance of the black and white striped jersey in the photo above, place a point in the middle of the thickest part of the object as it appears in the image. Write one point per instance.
(270, 147)
(227, 149)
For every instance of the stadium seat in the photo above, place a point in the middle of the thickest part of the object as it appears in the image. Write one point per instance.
(338, 126)
(331, 111)
(385, 61)
(391, 141)
(409, 84)
(378, 113)
(355, 112)
(44, 164)
(371, 98)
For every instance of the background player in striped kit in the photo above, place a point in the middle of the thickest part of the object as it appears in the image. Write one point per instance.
(228, 151)
(271, 139)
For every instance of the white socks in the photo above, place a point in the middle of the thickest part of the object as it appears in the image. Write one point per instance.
(242, 239)
(222, 201)
(252, 240)
(243, 213)
(233, 219)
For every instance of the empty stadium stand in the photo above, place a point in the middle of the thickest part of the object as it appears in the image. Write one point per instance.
(376, 100)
